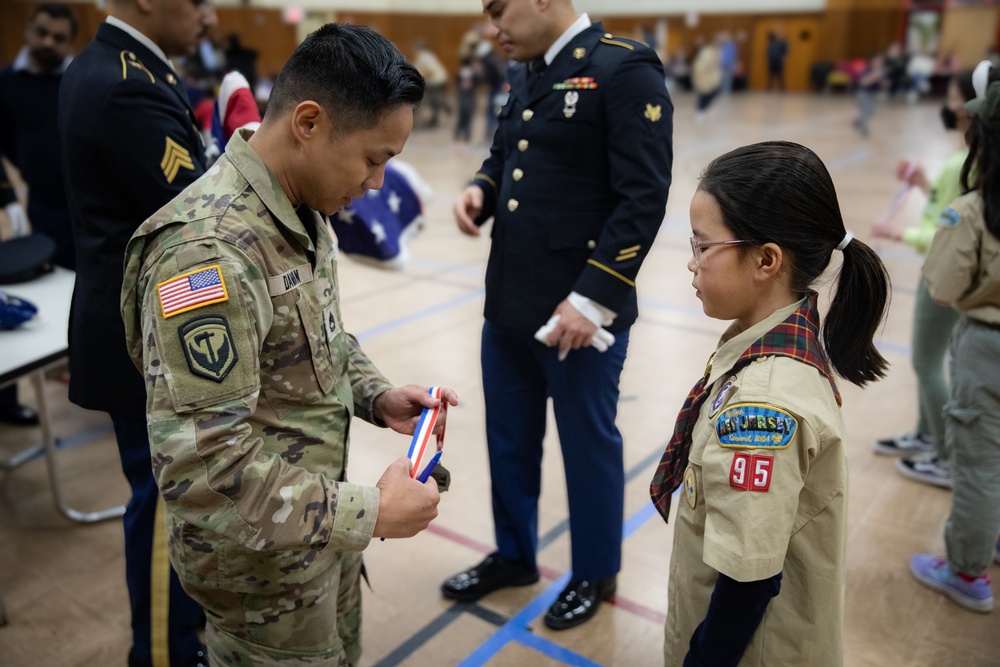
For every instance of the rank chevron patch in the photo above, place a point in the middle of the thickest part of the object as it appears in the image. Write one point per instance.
(175, 156)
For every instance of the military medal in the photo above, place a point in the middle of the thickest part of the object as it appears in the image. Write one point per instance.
(569, 107)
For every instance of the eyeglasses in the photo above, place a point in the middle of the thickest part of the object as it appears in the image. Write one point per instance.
(698, 246)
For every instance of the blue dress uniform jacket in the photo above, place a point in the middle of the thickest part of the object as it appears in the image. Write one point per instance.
(130, 145)
(577, 180)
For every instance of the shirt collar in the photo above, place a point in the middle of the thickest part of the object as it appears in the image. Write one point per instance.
(142, 39)
(735, 342)
(265, 184)
(23, 63)
(581, 23)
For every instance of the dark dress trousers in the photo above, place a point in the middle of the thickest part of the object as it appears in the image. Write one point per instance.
(577, 183)
(130, 144)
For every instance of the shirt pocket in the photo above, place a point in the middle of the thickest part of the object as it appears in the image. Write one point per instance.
(295, 358)
(573, 132)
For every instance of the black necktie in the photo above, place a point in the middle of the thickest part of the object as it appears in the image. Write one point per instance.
(535, 69)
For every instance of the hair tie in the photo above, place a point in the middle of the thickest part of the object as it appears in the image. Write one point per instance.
(847, 239)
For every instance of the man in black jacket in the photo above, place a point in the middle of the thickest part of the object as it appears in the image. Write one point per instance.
(130, 144)
(576, 182)
(29, 90)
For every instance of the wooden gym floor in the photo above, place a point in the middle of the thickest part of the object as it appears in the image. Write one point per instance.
(64, 584)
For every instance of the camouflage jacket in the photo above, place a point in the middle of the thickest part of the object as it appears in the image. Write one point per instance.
(231, 311)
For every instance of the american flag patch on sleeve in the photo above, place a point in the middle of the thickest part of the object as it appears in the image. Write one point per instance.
(192, 290)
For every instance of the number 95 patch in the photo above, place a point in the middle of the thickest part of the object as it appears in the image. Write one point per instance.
(751, 472)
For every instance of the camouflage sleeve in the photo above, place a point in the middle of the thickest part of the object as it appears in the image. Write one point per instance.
(367, 382)
(202, 365)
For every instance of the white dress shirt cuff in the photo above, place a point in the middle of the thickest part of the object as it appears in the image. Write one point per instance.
(598, 315)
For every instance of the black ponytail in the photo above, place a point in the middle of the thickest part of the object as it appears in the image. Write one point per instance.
(780, 192)
(861, 301)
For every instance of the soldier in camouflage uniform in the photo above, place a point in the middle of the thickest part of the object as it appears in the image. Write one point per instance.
(232, 313)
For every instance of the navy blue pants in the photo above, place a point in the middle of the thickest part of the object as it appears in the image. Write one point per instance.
(519, 375)
(183, 614)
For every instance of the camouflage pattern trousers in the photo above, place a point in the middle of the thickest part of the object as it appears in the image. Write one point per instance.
(317, 622)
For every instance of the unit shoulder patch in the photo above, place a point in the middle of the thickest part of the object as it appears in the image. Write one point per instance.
(755, 426)
(653, 113)
(208, 346)
(949, 218)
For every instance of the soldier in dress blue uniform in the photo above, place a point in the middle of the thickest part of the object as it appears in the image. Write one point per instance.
(576, 182)
(130, 144)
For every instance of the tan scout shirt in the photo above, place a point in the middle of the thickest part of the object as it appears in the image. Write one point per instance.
(232, 313)
(773, 499)
(963, 265)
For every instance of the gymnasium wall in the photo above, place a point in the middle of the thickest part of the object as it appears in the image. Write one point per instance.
(843, 29)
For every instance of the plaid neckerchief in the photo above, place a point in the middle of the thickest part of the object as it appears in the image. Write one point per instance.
(797, 337)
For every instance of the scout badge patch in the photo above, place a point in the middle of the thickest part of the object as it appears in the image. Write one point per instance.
(949, 218)
(720, 398)
(690, 491)
(755, 426)
(751, 472)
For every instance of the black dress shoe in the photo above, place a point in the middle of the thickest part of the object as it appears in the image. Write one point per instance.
(579, 602)
(493, 573)
(19, 415)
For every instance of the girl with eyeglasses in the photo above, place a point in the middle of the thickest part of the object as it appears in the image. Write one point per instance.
(758, 450)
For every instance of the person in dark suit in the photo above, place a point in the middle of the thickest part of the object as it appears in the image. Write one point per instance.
(29, 88)
(576, 182)
(130, 144)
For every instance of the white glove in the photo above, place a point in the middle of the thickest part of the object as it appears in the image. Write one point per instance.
(601, 340)
(18, 219)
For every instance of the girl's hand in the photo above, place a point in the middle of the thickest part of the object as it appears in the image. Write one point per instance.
(886, 230)
(913, 175)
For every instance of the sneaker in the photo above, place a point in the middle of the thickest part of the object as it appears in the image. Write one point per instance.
(975, 594)
(905, 445)
(929, 470)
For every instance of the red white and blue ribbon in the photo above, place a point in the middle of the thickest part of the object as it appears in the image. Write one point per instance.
(420, 450)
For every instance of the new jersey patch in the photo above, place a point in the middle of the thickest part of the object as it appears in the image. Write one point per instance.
(949, 218)
(751, 472)
(208, 346)
(755, 426)
(192, 290)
